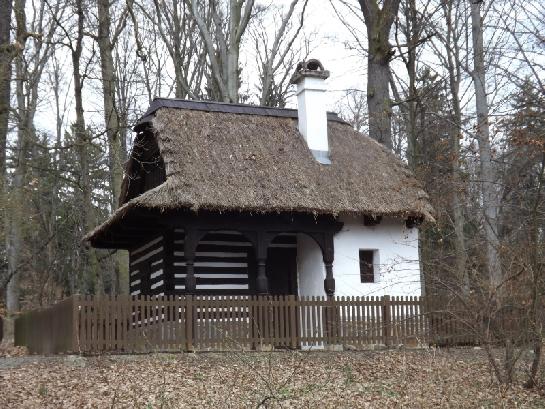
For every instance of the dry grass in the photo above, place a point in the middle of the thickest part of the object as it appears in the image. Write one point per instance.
(408, 379)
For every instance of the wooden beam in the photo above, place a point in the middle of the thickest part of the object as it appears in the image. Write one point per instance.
(328, 254)
(168, 261)
(263, 241)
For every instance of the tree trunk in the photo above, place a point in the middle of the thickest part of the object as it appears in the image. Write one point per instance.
(488, 191)
(378, 95)
(413, 38)
(379, 22)
(454, 67)
(14, 209)
(5, 83)
(91, 281)
(111, 120)
(457, 192)
(232, 74)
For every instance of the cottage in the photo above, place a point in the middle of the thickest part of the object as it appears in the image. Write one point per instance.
(235, 199)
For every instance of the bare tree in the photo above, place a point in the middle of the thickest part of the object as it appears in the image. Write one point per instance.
(353, 109)
(178, 31)
(488, 179)
(222, 39)
(29, 67)
(448, 34)
(73, 32)
(276, 59)
(150, 51)
(410, 35)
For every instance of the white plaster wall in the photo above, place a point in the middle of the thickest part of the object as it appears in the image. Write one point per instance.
(398, 272)
(310, 267)
(310, 276)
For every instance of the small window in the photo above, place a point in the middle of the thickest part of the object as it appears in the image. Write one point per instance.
(367, 266)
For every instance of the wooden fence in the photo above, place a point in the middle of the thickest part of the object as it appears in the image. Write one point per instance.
(49, 330)
(83, 324)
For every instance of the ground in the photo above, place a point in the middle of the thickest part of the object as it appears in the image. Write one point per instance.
(429, 378)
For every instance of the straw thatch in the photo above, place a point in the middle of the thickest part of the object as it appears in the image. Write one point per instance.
(225, 161)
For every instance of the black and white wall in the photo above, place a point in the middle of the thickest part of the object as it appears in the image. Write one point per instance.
(147, 268)
(224, 264)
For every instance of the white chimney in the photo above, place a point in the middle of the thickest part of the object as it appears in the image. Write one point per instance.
(310, 78)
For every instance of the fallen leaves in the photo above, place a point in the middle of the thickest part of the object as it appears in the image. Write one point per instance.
(7, 351)
(413, 379)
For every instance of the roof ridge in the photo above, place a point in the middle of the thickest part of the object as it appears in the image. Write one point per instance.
(222, 107)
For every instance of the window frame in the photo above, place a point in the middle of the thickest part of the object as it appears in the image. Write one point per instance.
(368, 277)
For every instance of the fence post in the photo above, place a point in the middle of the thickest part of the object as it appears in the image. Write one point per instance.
(75, 324)
(430, 313)
(189, 322)
(327, 320)
(331, 319)
(386, 318)
(292, 323)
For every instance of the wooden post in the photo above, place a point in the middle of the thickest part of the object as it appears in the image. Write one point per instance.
(190, 280)
(331, 320)
(329, 281)
(189, 322)
(430, 320)
(75, 303)
(262, 284)
(386, 324)
(293, 321)
(190, 246)
(328, 255)
(168, 261)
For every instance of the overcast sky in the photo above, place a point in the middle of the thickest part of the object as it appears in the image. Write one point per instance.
(347, 68)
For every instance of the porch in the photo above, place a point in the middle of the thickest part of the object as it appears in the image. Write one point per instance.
(181, 252)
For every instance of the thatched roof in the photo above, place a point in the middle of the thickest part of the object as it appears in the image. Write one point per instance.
(260, 163)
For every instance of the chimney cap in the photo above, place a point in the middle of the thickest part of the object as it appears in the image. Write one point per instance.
(311, 68)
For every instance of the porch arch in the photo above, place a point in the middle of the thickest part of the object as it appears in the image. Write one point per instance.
(315, 254)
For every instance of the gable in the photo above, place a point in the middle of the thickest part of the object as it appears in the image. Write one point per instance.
(145, 169)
